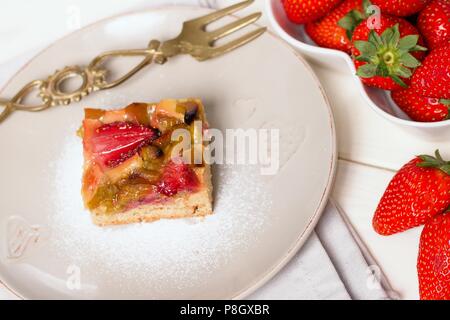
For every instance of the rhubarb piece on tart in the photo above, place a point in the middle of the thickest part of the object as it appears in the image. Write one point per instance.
(135, 171)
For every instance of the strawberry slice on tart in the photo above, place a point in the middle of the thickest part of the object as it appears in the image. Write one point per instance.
(113, 143)
(130, 174)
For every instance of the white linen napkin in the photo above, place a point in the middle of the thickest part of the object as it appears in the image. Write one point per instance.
(329, 266)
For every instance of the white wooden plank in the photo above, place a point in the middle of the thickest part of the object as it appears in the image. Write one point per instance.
(357, 190)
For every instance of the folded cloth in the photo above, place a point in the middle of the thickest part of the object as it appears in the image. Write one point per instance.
(361, 276)
(310, 275)
(329, 266)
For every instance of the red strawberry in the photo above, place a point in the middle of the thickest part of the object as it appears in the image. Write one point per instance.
(113, 143)
(304, 11)
(432, 79)
(418, 192)
(328, 33)
(384, 56)
(420, 108)
(177, 177)
(434, 23)
(400, 8)
(433, 263)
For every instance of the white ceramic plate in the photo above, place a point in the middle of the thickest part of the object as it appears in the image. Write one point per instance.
(259, 222)
(378, 100)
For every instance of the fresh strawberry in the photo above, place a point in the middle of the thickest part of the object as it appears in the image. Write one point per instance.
(420, 108)
(304, 11)
(329, 33)
(433, 263)
(434, 23)
(385, 56)
(432, 79)
(113, 143)
(418, 192)
(400, 8)
(177, 177)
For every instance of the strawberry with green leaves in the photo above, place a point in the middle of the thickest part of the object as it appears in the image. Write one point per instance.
(304, 11)
(418, 192)
(434, 23)
(400, 8)
(432, 78)
(433, 263)
(386, 56)
(331, 31)
(420, 108)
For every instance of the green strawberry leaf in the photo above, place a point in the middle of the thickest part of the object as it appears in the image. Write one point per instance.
(364, 58)
(375, 38)
(366, 4)
(387, 35)
(445, 168)
(367, 71)
(398, 81)
(418, 48)
(350, 21)
(409, 61)
(445, 102)
(427, 164)
(346, 22)
(408, 42)
(428, 159)
(366, 48)
(404, 72)
(395, 38)
(437, 153)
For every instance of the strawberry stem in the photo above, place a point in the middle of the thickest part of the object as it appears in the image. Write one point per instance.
(436, 162)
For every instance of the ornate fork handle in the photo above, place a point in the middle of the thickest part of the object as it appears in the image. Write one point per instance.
(194, 39)
(150, 54)
(16, 102)
(93, 77)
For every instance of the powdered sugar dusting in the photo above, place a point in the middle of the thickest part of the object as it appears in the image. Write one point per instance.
(176, 254)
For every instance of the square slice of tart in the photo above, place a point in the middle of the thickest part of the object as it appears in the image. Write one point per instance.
(135, 171)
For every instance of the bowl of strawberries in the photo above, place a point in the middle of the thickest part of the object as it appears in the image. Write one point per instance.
(397, 50)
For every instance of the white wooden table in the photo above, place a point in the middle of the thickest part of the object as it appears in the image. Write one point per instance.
(370, 148)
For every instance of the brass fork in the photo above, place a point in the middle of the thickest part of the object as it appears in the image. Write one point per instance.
(194, 40)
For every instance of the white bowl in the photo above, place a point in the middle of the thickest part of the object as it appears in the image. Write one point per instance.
(378, 100)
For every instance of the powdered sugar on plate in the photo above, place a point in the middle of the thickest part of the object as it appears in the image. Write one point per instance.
(178, 254)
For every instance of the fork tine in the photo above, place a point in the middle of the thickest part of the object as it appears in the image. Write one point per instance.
(222, 13)
(235, 26)
(218, 51)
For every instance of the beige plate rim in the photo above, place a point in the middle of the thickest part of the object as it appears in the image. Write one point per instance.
(333, 161)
